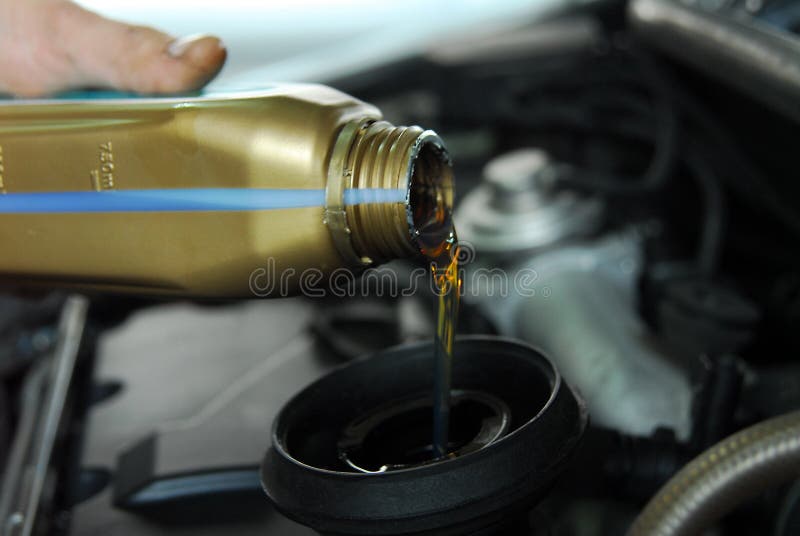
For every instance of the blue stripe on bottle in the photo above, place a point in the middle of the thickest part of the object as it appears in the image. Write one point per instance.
(185, 200)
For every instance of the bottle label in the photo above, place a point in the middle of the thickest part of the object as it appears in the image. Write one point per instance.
(103, 175)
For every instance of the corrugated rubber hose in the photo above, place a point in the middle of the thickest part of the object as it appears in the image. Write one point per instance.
(714, 483)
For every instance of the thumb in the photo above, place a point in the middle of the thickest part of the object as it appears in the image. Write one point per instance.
(111, 54)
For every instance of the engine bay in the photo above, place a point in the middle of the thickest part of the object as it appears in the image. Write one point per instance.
(626, 206)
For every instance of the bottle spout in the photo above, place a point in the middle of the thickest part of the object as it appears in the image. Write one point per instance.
(408, 166)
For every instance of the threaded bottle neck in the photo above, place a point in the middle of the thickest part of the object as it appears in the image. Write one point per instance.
(406, 160)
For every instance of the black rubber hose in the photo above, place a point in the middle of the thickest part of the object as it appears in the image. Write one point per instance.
(709, 185)
(709, 245)
(745, 178)
(665, 141)
(732, 471)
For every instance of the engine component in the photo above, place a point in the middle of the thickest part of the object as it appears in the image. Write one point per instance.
(582, 311)
(25, 493)
(517, 209)
(733, 470)
(723, 39)
(373, 416)
(698, 315)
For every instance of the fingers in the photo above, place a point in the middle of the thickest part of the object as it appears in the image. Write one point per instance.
(48, 46)
(135, 58)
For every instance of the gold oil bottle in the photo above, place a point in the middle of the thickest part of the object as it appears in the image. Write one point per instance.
(188, 196)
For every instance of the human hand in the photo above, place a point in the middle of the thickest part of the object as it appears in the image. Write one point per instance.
(47, 46)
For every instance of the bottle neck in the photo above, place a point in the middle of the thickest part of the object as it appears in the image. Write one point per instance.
(403, 181)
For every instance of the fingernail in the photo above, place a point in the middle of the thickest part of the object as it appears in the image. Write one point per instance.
(178, 47)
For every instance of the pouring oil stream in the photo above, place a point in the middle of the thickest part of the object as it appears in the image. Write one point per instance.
(439, 243)
(448, 284)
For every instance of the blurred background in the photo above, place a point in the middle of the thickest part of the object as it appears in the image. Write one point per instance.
(316, 40)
